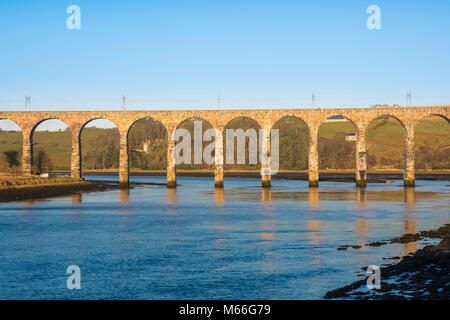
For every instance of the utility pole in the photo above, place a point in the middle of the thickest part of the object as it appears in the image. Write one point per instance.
(124, 102)
(218, 101)
(313, 97)
(409, 99)
(27, 103)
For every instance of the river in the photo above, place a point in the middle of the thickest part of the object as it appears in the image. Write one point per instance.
(197, 242)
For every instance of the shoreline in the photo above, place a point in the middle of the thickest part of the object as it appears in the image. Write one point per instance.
(335, 176)
(424, 274)
(39, 191)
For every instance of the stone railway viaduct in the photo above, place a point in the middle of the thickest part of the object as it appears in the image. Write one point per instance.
(266, 118)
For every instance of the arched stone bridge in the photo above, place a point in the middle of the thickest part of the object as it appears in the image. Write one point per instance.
(266, 118)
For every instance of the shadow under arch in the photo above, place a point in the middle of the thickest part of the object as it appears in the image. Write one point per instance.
(11, 144)
(51, 147)
(102, 156)
(385, 143)
(294, 135)
(336, 143)
(147, 144)
(432, 143)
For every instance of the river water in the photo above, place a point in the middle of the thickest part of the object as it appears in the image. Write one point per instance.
(196, 242)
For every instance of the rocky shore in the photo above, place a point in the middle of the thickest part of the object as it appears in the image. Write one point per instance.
(422, 275)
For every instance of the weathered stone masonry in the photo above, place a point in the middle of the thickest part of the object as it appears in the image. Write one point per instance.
(219, 119)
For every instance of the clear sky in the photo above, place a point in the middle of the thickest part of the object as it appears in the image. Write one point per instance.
(181, 54)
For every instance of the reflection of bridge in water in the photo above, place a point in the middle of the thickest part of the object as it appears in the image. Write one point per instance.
(171, 120)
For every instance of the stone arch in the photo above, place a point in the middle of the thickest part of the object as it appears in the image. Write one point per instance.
(11, 143)
(90, 159)
(385, 147)
(433, 114)
(12, 123)
(288, 116)
(55, 155)
(293, 144)
(242, 116)
(40, 121)
(387, 115)
(86, 123)
(190, 125)
(336, 143)
(335, 115)
(193, 118)
(248, 123)
(432, 143)
(137, 158)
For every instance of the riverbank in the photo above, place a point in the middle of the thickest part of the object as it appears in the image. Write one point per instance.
(424, 274)
(25, 188)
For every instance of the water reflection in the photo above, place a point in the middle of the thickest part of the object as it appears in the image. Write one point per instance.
(314, 234)
(410, 198)
(218, 195)
(28, 203)
(124, 195)
(361, 229)
(361, 198)
(171, 196)
(410, 222)
(266, 196)
(76, 198)
(267, 233)
(313, 197)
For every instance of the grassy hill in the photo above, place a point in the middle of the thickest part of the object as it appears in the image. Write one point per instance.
(384, 138)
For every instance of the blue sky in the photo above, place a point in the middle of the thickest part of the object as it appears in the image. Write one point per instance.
(256, 54)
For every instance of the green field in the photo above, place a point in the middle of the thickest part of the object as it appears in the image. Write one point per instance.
(384, 139)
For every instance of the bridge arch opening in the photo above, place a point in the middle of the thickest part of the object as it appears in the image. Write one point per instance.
(385, 144)
(337, 144)
(293, 144)
(195, 161)
(432, 143)
(147, 145)
(233, 157)
(51, 147)
(11, 139)
(99, 146)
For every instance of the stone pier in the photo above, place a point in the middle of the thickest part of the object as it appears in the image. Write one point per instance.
(218, 159)
(123, 160)
(410, 160)
(266, 175)
(313, 158)
(171, 168)
(361, 157)
(27, 151)
(76, 154)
